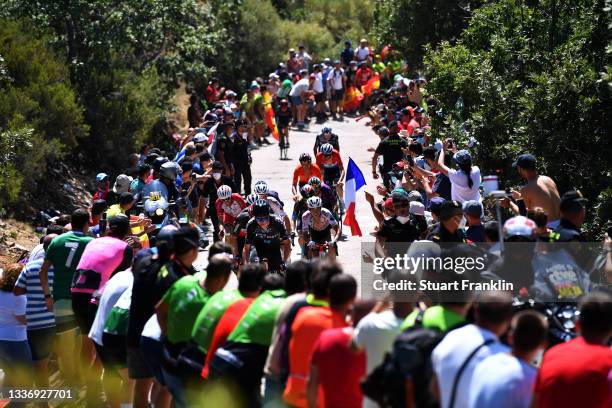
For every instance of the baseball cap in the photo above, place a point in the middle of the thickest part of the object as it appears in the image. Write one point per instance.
(462, 157)
(399, 197)
(525, 161)
(200, 138)
(450, 208)
(519, 226)
(388, 204)
(570, 199)
(415, 196)
(122, 184)
(100, 177)
(217, 165)
(254, 85)
(119, 222)
(473, 208)
(186, 238)
(435, 204)
(417, 208)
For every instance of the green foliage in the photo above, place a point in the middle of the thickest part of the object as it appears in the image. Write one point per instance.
(410, 25)
(530, 79)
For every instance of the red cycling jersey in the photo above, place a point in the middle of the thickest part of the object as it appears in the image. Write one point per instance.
(335, 159)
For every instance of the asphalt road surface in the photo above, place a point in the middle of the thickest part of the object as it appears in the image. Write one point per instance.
(355, 139)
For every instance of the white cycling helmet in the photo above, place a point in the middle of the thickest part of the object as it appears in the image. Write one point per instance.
(314, 202)
(326, 149)
(261, 187)
(224, 192)
(251, 198)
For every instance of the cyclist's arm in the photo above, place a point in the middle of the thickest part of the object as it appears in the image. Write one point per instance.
(287, 222)
(286, 249)
(335, 233)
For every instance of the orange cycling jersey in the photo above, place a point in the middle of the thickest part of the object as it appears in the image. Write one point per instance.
(335, 156)
(302, 176)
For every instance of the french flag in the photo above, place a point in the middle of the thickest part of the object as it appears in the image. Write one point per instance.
(353, 182)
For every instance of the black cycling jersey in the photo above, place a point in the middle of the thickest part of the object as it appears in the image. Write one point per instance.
(331, 173)
(299, 208)
(321, 140)
(240, 226)
(267, 241)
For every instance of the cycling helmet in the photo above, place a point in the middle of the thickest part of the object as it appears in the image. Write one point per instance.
(261, 187)
(158, 163)
(314, 181)
(305, 157)
(284, 102)
(224, 192)
(519, 226)
(326, 130)
(326, 149)
(261, 208)
(251, 198)
(306, 191)
(314, 202)
(168, 170)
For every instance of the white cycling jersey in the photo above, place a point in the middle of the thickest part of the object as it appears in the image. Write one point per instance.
(325, 219)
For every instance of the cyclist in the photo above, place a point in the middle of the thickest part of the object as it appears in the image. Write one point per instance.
(330, 162)
(316, 229)
(326, 136)
(283, 118)
(228, 206)
(306, 191)
(324, 192)
(303, 172)
(262, 189)
(239, 230)
(267, 235)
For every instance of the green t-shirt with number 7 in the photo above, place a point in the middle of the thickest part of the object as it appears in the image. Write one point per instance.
(64, 253)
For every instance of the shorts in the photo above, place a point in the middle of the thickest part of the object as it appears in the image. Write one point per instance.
(152, 353)
(338, 95)
(113, 353)
(41, 342)
(137, 366)
(320, 97)
(84, 311)
(296, 100)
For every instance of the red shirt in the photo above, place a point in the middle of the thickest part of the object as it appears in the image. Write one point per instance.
(224, 328)
(230, 210)
(575, 374)
(339, 368)
(362, 76)
(211, 94)
(335, 156)
(301, 176)
(100, 195)
(309, 323)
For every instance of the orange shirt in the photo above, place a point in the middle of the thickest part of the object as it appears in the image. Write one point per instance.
(336, 159)
(302, 176)
(226, 325)
(309, 323)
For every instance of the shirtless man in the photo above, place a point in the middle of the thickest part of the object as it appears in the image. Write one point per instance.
(540, 191)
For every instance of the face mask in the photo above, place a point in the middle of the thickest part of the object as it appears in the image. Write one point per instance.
(245, 135)
(216, 176)
(403, 218)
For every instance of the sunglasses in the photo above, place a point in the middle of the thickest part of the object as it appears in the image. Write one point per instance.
(262, 219)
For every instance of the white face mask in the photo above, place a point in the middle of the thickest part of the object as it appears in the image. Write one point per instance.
(216, 176)
(403, 218)
(245, 135)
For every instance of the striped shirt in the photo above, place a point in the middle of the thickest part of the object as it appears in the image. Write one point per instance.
(37, 315)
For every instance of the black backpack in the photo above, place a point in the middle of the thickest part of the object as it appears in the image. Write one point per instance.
(409, 358)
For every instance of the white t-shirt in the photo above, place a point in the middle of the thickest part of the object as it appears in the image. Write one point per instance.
(318, 83)
(451, 353)
(10, 306)
(376, 333)
(459, 185)
(335, 77)
(300, 87)
(362, 53)
(502, 381)
(113, 290)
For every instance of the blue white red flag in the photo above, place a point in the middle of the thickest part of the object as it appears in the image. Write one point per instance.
(354, 180)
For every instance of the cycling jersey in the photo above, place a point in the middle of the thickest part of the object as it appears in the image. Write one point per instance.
(335, 159)
(267, 241)
(231, 209)
(301, 176)
(331, 173)
(321, 140)
(326, 219)
(239, 230)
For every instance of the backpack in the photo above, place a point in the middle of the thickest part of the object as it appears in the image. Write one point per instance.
(409, 358)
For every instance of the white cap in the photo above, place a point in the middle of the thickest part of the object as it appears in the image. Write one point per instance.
(417, 208)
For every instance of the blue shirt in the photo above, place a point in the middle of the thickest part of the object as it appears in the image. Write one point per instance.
(37, 314)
